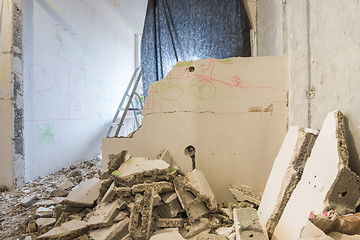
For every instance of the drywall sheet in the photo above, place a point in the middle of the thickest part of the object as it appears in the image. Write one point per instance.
(233, 111)
(78, 60)
(326, 183)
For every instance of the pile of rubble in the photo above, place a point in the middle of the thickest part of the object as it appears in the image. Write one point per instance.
(139, 198)
(311, 194)
(19, 207)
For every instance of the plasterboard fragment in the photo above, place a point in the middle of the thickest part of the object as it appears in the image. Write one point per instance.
(285, 174)
(84, 194)
(244, 193)
(327, 182)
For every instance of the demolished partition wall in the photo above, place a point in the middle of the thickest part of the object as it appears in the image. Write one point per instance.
(232, 111)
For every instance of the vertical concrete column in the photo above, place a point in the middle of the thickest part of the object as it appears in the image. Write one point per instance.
(17, 90)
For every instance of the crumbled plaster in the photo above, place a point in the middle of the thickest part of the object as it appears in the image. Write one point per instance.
(17, 88)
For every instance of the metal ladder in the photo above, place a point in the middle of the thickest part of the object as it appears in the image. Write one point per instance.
(129, 106)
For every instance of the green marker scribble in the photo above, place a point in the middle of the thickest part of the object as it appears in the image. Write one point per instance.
(227, 60)
(46, 133)
(171, 170)
(117, 173)
(169, 91)
(128, 162)
(202, 89)
(183, 64)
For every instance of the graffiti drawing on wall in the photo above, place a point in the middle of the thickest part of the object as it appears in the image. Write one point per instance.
(58, 83)
(45, 133)
(41, 79)
(60, 39)
(202, 88)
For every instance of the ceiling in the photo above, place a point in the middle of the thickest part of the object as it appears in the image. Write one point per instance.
(132, 13)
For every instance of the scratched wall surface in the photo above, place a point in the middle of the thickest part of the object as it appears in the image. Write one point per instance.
(78, 58)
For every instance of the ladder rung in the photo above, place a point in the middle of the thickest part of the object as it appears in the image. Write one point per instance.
(131, 109)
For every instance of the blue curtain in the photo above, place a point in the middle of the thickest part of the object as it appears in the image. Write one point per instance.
(182, 30)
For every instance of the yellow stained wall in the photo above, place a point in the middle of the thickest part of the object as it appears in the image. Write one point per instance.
(6, 146)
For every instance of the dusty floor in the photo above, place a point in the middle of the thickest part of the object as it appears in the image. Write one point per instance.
(14, 217)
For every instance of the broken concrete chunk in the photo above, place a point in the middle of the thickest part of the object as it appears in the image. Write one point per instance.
(45, 222)
(66, 185)
(170, 209)
(114, 232)
(167, 234)
(209, 236)
(104, 214)
(168, 197)
(227, 212)
(285, 174)
(141, 216)
(28, 201)
(84, 194)
(140, 170)
(110, 194)
(248, 224)
(57, 200)
(28, 238)
(347, 224)
(123, 192)
(105, 184)
(121, 215)
(194, 209)
(116, 160)
(44, 212)
(59, 193)
(161, 187)
(169, 223)
(157, 199)
(198, 181)
(334, 186)
(73, 228)
(244, 193)
(198, 227)
(311, 232)
(225, 231)
(340, 236)
(45, 203)
(165, 155)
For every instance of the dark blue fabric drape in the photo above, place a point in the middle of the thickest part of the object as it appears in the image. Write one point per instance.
(182, 30)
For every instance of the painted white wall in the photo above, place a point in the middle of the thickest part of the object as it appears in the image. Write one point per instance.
(78, 60)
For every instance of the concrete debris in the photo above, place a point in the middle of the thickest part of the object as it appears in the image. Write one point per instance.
(114, 232)
(170, 209)
(248, 224)
(202, 188)
(157, 199)
(68, 230)
(84, 194)
(169, 223)
(286, 174)
(140, 170)
(44, 212)
(327, 182)
(110, 193)
(121, 216)
(66, 185)
(340, 236)
(45, 203)
(167, 234)
(244, 193)
(45, 222)
(198, 227)
(225, 231)
(28, 201)
(161, 187)
(165, 155)
(104, 214)
(331, 222)
(59, 193)
(311, 232)
(209, 236)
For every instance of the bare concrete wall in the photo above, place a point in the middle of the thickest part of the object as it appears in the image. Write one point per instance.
(11, 103)
(324, 59)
